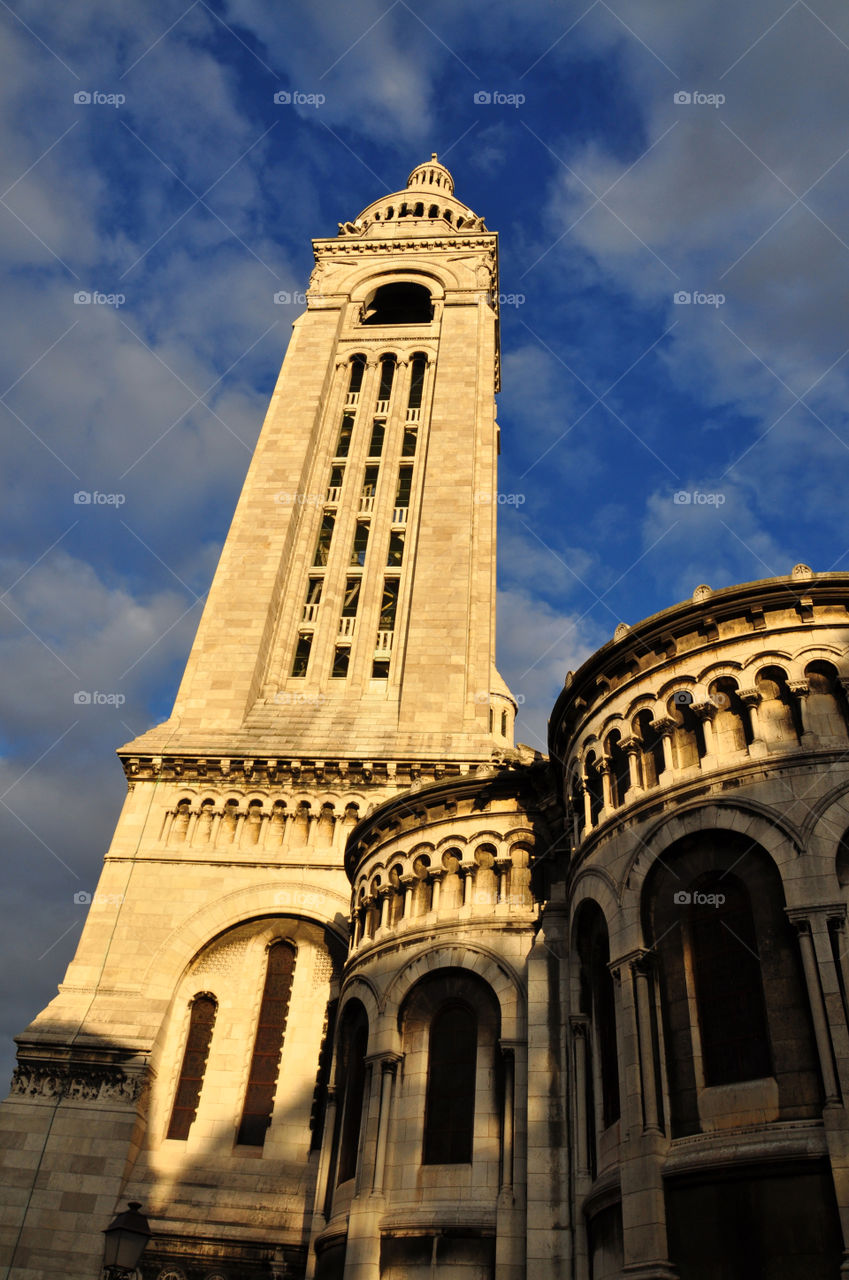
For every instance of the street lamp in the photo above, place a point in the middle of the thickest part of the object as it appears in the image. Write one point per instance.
(126, 1238)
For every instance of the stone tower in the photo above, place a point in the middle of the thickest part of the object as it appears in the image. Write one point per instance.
(345, 654)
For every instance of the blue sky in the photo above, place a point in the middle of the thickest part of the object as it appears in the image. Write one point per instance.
(191, 203)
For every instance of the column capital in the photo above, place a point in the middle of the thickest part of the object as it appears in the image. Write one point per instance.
(641, 959)
(751, 697)
(580, 1025)
(801, 917)
(435, 874)
(705, 710)
(664, 725)
(387, 1060)
(799, 688)
(467, 866)
(408, 880)
(503, 862)
(631, 746)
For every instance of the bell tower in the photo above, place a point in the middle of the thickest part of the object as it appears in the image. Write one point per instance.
(353, 610)
(345, 655)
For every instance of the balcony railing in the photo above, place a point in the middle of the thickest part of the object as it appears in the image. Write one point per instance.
(352, 399)
(399, 515)
(383, 648)
(382, 406)
(347, 626)
(366, 504)
(311, 612)
(414, 415)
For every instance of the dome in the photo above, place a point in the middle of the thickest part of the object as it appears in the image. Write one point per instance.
(431, 175)
(427, 205)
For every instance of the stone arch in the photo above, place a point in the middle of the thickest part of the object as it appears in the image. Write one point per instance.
(172, 958)
(780, 840)
(502, 978)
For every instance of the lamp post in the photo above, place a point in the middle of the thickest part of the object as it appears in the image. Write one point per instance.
(125, 1242)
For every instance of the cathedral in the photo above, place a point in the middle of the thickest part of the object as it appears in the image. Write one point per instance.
(367, 992)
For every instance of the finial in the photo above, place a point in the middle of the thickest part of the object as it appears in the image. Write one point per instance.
(433, 155)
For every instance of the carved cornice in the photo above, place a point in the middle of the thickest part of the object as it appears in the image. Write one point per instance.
(349, 245)
(77, 1083)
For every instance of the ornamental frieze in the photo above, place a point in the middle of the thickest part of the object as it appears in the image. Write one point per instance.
(89, 1084)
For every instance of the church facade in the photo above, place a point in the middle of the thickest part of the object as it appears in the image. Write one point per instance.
(368, 993)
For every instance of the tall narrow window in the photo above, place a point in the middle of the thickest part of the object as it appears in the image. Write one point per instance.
(369, 488)
(405, 484)
(201, 1022)
(396, 547)
(358, 551)
(411, 436)
(450, 1100)
(325, 533)
(729, 986)
(273, 1011)
(341, 660)
(378, 431)
(313, 599)
(387, 373)
(417, 373)
(334, 488)
(354, 1038)
(389, 603)
(358, 364)
(344, 442)
(352, 597)
(302, 654)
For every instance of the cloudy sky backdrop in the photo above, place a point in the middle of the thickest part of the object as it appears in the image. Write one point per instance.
(626, 153)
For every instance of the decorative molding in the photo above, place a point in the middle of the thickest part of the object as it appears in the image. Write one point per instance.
(78, 1084)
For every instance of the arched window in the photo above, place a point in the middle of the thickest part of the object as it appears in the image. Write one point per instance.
(688, 736)
(824, 706)
(201, 1022)
(417, 374)
(651, 743)
(387, 374)
(776, 713)
(399, 303)
(729, 987)
(731, 724)
(592, 781)
(598, 1002)
(265, 1063)
(620, 779)
(450, 1100)
(358, 364)
(352, 1070)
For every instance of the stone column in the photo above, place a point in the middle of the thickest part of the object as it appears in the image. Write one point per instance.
(642, 996)
(384, 895)
(632, 748)
(388, 1065)
(802, 924)
(435, 878)
(751, 698)
(216, 827)
(706, 711)
(604, 768)
(644, 1146)
(580, 1034)
(800, 691)
(665, 726)
(467, 871)
(507, 1120)
(588, 806)
(503, 863)
(193, 821)
(322, 1177)
(408, 881)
